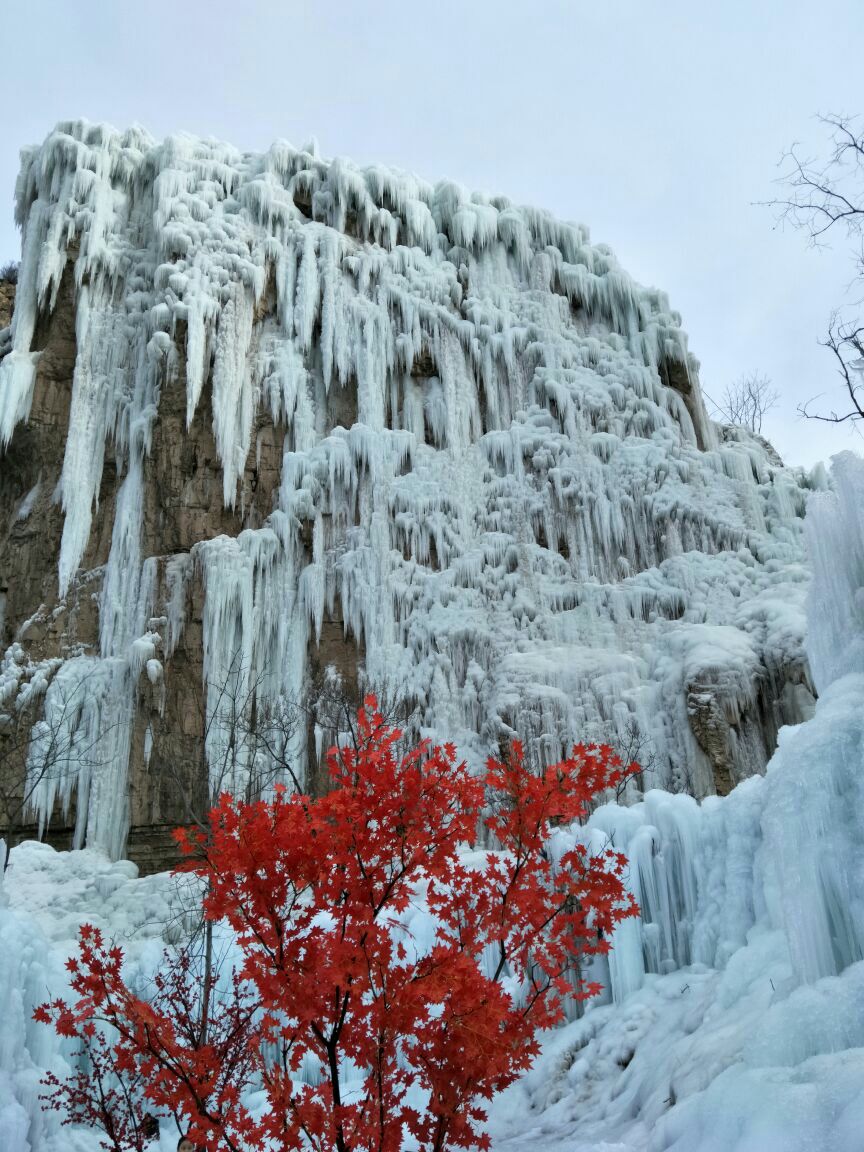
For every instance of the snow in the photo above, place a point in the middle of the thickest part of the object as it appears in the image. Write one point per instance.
(527, 526)
(45, 897)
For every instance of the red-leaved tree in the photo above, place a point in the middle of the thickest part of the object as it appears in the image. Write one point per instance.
(148, 1042)
(388, 982)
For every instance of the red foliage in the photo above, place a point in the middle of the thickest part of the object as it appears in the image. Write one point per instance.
(409, 1034)
(149, 1046)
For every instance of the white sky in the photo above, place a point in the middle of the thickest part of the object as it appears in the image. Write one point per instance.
(657, 124)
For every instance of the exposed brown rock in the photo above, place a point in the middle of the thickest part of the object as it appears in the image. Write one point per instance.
(7, 302)
(736, 734)
(183, 505)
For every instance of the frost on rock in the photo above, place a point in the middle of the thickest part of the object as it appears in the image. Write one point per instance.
(497, 470)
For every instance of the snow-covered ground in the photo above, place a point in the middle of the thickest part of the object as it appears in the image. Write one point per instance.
(734, 1016)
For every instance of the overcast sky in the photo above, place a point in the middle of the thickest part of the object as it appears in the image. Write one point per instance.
(659, 125)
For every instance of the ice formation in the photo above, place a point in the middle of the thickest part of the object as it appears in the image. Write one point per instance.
(738, 1022)
(526, 522)
(734, 1014)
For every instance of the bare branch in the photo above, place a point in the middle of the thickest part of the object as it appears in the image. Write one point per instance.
(822, 195)
(846, 344)
(746, 401)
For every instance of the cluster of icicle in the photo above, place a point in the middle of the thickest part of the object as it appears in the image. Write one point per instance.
(782, 852)
(527, 528)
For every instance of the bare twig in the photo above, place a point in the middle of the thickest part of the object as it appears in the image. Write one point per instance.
(822, 196)
(746, 401)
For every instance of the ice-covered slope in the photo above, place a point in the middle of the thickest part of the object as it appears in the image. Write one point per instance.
(448, 426)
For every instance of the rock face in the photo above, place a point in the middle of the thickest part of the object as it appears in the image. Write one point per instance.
(267, 417)
(7, 301)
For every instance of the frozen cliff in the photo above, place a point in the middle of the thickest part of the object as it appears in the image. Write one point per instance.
(261, 415)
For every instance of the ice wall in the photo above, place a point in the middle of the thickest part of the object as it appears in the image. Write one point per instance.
(835, 543)
(783, 852)
(529, 525)
(736, 1020)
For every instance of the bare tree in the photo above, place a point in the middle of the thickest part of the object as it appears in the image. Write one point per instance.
(823, 195)
(247, 747)
(36, 752)
(634, 745)
(250, 743)
(257, 743)
(331, 704)
(747, 400)
(254, 747)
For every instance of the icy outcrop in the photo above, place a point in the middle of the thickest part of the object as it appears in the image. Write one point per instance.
(835, 544)
(495, 467)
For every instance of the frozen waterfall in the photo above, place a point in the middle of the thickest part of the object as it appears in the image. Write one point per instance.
(494, 477)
